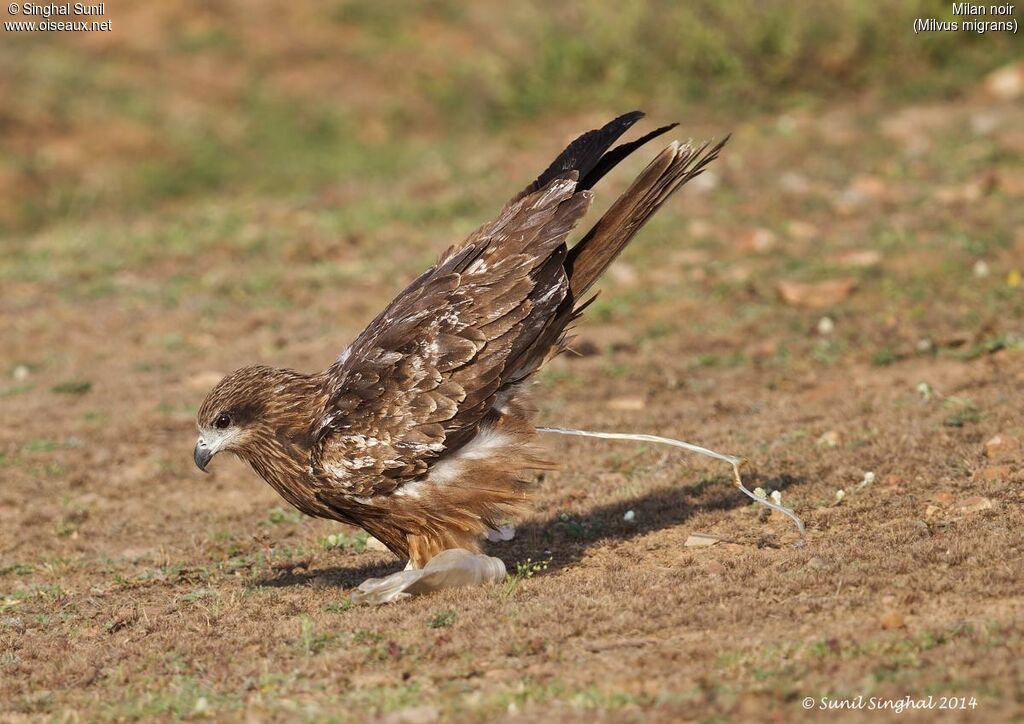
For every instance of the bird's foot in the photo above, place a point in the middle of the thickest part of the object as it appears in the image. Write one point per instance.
(452, 568)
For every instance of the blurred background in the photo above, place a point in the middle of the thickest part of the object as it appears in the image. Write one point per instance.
(214, 184)
(188, 99)
(293, 146)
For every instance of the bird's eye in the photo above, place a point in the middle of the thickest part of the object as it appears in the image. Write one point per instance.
(223, 420)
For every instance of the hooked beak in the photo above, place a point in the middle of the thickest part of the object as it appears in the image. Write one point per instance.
(202, 455)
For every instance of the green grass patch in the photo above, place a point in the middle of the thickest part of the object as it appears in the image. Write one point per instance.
(72, 387)
(442, 619)
(345, 541)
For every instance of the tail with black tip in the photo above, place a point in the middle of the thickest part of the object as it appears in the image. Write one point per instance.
(669, 171)
(588, 156)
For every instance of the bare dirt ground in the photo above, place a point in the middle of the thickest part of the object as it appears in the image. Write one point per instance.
(132, 586)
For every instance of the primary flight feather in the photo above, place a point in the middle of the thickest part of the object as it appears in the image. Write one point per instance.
(421, 431)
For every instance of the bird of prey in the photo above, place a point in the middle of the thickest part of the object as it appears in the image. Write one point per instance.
(421, 431)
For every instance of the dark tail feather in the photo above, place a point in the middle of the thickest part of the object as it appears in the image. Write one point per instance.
(585, 153)
(672, 168)
(611, 159)
(589, 156)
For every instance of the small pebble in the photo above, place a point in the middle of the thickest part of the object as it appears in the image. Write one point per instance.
(829, 439)
(869, 477)
(819, 563)
(204, 380)
(1002, 447)
(501, 534)
(975, 504)
(892, 620)
(714, 568)
(700, 540)
(1005, 83)
(995, 473)
(630, 516)
(826, 326)
(943, 498)
(757, 240)
(626, 404)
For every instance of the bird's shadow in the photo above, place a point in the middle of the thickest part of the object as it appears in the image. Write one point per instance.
(562, 539)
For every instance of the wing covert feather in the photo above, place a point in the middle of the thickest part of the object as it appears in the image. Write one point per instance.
(416, 384)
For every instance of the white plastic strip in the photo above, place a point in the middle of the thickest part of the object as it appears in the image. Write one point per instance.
(736, 462)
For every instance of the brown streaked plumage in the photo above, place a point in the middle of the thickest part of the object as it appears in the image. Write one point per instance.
(421, 432)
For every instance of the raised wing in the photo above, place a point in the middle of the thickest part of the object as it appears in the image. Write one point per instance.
(419, 380)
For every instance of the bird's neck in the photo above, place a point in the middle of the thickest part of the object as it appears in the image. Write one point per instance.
(280, 451)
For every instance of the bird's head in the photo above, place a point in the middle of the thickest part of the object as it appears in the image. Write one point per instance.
(228, 415)
(250, 409)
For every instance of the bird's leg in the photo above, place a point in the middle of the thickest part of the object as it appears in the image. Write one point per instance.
(450, 568)
(422, 548)
(420, 551)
